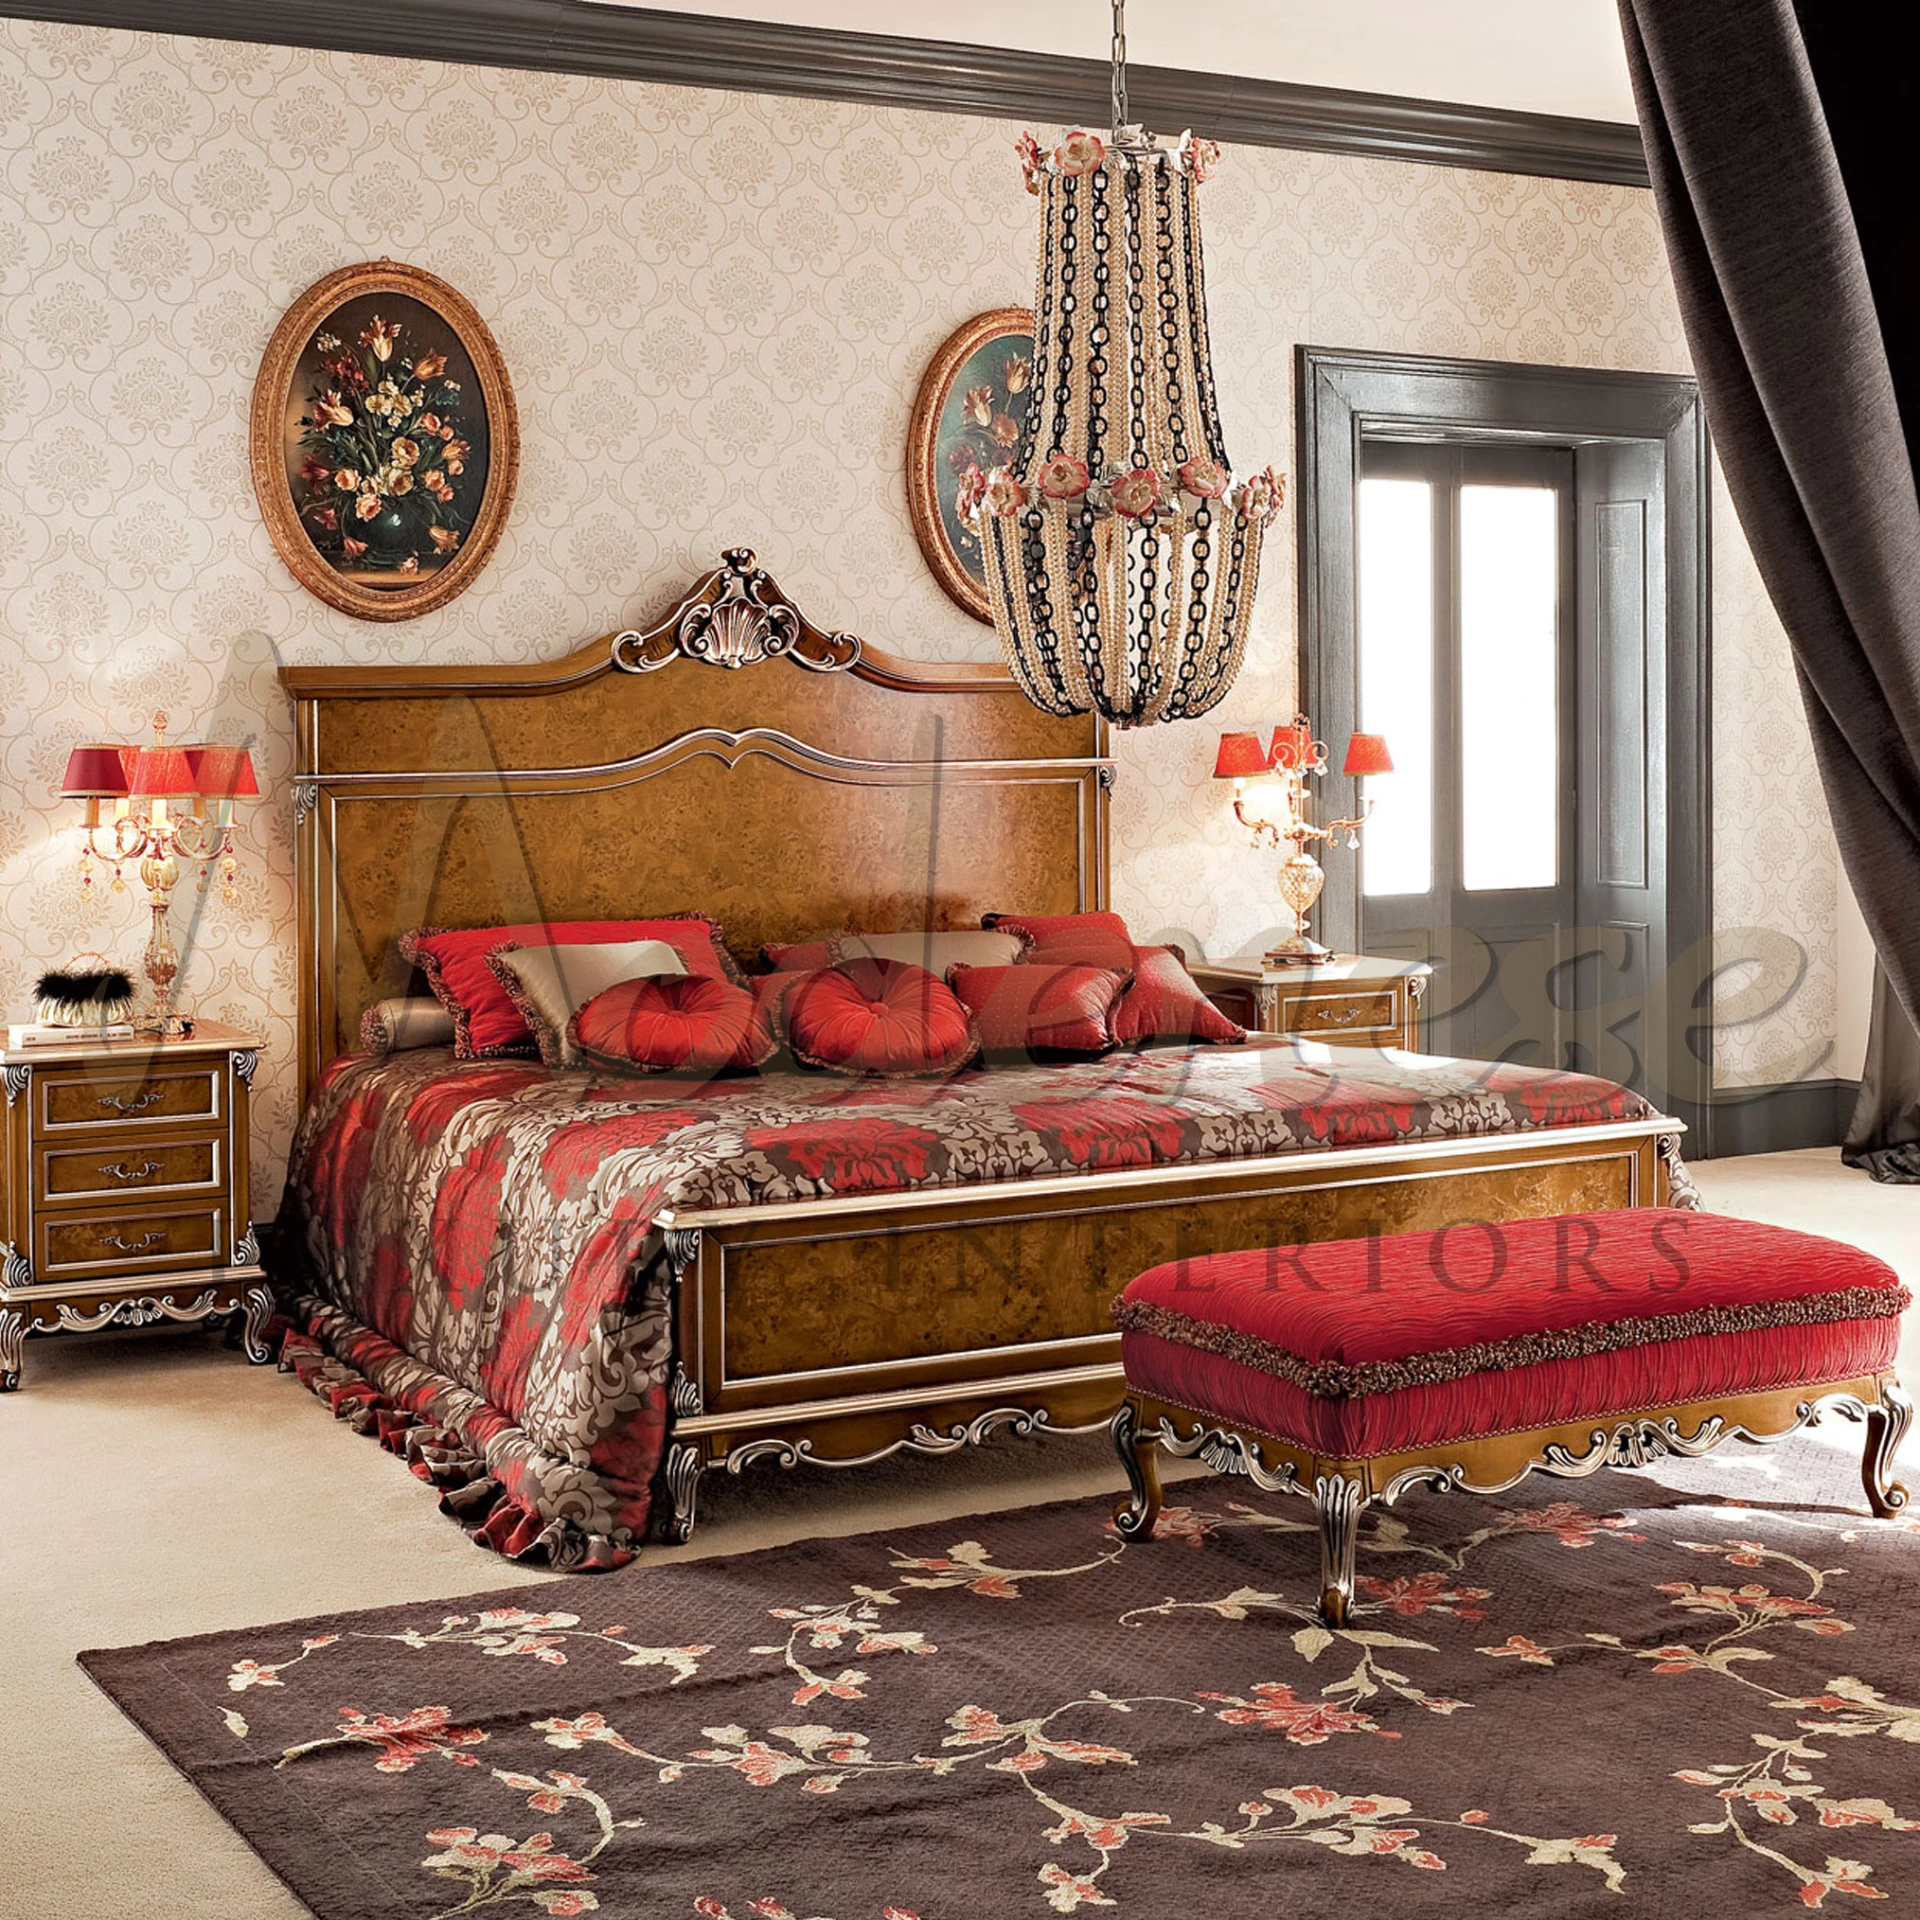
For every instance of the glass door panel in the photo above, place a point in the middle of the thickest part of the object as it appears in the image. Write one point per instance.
(1510, 676)
(1396, 678)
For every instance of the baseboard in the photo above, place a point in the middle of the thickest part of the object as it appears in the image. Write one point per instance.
(1777, 1119)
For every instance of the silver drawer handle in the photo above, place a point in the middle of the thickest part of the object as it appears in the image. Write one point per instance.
(121, 1171)
(151, 1238)
(140, 1105)
(1344, 1017)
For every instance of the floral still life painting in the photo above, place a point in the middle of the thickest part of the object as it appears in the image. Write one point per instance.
(384, 441)
(967, 421)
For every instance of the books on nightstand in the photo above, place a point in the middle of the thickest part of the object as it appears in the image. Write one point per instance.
(33, 1033)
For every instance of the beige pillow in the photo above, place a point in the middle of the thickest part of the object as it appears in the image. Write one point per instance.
(934, 951)
(551, 984)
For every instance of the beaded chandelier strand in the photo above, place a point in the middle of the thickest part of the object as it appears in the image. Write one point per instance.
(1121, 559)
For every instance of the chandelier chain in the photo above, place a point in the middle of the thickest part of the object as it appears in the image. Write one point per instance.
(1119, 64)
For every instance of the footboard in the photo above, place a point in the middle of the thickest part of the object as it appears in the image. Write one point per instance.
(840, 1331)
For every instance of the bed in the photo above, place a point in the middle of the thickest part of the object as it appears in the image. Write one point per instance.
(566, 1296)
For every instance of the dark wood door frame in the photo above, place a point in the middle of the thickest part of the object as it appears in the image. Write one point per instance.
(1342, 395)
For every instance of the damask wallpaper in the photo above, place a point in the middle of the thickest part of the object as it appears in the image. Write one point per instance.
(715, 309)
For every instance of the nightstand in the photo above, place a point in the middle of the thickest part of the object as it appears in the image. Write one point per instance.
(123, 1193)
(1350, 1000)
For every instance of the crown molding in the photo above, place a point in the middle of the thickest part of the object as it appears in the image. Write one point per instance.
(676, 49)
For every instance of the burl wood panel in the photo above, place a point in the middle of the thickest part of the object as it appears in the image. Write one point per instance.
(815, 1303)
(771, 850)
(115, 1096)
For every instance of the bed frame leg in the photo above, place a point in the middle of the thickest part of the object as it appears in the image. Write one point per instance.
(1886, 1427)
(1338, 1503)
(680, 1484)
(1139, 1454)
(13, 1339)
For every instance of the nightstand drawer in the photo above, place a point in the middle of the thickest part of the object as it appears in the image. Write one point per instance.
(166, 1169)
(138, 1096)
(150, 1240)
(1333, 1015)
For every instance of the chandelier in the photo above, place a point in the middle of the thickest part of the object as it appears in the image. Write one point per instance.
(1121, 558)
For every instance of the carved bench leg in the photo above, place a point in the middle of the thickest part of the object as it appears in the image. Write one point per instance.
(1886, 1428)
(1338, 1503)
(13, 1339)
(1140, 1455)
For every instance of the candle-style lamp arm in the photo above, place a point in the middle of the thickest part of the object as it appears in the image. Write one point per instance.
(1349, 824)
(126, 839)
(1265, 833)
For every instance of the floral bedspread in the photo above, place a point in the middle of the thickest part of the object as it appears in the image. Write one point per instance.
(471, 1250)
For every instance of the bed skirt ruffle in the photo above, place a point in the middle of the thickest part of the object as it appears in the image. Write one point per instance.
(491, 1478)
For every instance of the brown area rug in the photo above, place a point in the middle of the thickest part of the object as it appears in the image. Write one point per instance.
(1548, 1705)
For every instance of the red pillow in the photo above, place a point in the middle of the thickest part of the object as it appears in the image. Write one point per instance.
(1070, 939)
(1164, 1004)
(1037, 1008)
(693, 1023)
(485, 1020)
(877, 1016)
(803, 956)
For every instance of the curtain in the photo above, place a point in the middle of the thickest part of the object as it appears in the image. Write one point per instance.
(1771, 139)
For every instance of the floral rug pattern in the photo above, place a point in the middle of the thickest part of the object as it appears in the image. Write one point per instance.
(1543, 1705)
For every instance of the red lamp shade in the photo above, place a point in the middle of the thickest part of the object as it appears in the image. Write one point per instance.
(1367, 753)
(1241, 757)
(222, 773)
(1291, 746)
(161, 773)
(96, 772)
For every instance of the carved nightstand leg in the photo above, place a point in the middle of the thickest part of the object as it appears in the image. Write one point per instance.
(13, 1339)
(256, 1311)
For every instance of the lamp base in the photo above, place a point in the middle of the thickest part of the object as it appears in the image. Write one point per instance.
(1297, 950)
(167, 1026)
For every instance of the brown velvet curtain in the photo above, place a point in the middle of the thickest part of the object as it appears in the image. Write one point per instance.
(1770, 133)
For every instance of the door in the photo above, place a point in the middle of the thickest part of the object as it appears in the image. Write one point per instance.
(1421, 476)
(1468, 662)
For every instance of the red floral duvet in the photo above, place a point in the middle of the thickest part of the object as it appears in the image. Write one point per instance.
(470, 1252)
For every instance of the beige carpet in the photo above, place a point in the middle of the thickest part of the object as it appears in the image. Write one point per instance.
(153, 1485)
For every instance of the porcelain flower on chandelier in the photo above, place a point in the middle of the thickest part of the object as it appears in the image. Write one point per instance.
(1122, 558)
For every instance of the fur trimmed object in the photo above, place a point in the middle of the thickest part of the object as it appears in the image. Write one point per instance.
(82, 997)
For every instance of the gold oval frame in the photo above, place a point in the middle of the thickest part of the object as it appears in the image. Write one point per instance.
(267, 447)
(923, 502)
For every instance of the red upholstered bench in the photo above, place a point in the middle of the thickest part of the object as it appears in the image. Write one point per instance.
(1465, 1359)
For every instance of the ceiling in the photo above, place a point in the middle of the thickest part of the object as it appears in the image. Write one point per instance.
(1539, 56)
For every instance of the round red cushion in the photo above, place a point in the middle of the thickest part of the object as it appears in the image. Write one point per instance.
(695, 1021)
(878, 1016)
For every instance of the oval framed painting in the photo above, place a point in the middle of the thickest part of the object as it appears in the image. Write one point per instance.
(384, 441)
(967, 420)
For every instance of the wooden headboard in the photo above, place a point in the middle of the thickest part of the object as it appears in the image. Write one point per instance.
(735, 760)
